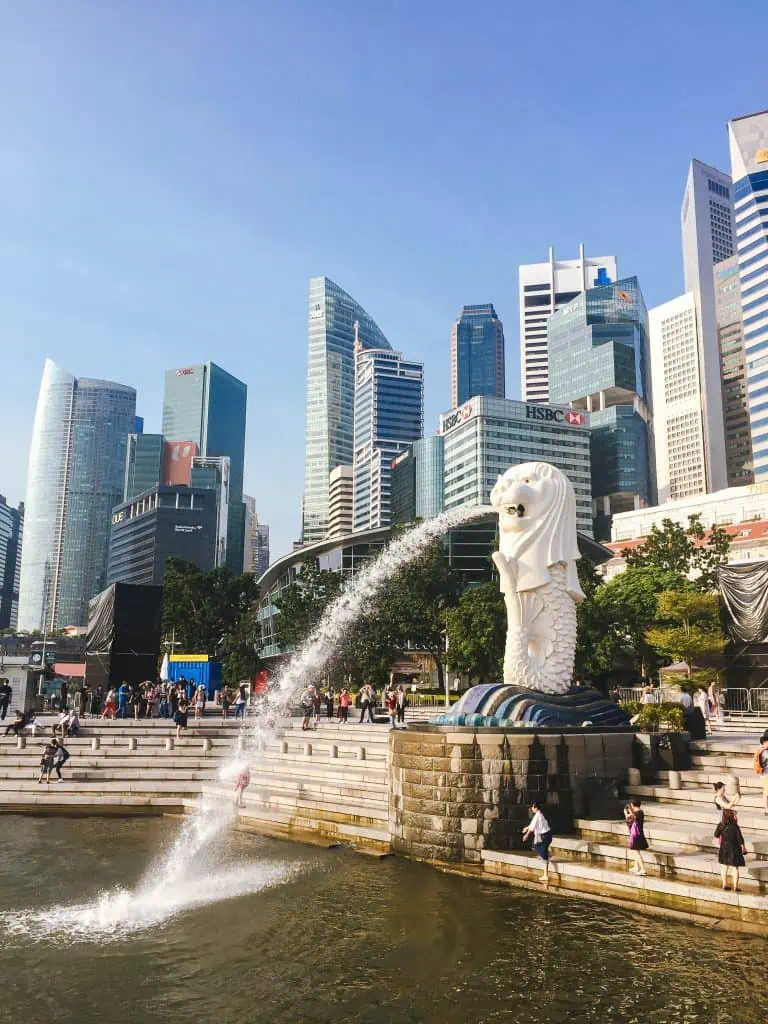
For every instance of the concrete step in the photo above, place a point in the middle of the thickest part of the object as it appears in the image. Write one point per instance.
(130, 762)
(705, 780)
(307, 813)
(725, 745)
(703, 903)
(303, 790)
(76, 771)
(698, 868)
(373, 779)
(691, 813)
(288, 798)
(666, 835)
(693, 794)
(56, 797)
(105, 787)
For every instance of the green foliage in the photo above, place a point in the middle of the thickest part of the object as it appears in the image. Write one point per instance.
(618, 616)
(590, 659)
(200, 607)
(476, 630)
(684, 551)
(413, 606)
(652, 717)
(694, 633)
(301, 605)
(241, 647)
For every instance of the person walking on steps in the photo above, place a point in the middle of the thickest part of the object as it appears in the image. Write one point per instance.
(732, 848)
(634, 816)
(390, 700)
(5, 698)
(60, 758)
(241, 700)
(539, 829)
(180, 716)
(200, 696)
(761, 767)
(46, 761)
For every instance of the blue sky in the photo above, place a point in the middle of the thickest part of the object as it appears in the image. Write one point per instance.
(173, 171)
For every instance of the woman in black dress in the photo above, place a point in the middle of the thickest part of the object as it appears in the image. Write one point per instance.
(732, 848)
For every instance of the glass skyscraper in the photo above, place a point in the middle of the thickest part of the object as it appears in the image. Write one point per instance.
(749, 169)
(206, 405)
(143, 464)
(599, 362)
(477, 355)
(336, 321)
(76, 477)
(389, 415)
(11, 537)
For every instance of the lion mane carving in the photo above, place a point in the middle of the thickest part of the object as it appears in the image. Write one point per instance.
(536, 560)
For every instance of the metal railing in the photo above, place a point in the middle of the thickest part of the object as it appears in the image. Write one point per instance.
(734, 700)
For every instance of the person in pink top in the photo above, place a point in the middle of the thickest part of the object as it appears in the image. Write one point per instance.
(345, 699)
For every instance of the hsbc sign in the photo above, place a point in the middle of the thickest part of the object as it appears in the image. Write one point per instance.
(453, 419)
(543, 412)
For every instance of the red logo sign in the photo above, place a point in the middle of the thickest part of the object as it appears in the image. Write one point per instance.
(574, 418)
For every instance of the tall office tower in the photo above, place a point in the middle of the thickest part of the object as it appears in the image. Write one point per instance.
(207, 406)
(341, 499)
(329, 439)
(418, 478)
(11, 536)
(256, 540)
(477, 354)
(749, 170)
(143, 464)
(708, 233)
(76, 477)
(598, 358)
(677, 387)
(544, 288)
(389, 415)
(733, 372)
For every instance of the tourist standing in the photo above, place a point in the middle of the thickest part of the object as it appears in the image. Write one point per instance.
(307, 706)
(539, 829)
(732, 848)
(345, 699)
(724, 801)
(761, 767)
(329, 695)
(634, 816)
(402, 704)
(390, 700)
(123, 697)
(60, 758)
(366, 703)
(241, 701)
(180, 716)
(226, 701)
(5, 698)
(200, 696)
(63, 692)
(701, 701)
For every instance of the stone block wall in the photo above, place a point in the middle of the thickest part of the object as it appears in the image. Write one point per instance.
(456, 791)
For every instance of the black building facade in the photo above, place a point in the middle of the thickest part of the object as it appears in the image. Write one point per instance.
(167, 522)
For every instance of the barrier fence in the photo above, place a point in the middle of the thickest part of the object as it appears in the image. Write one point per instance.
(734, 700)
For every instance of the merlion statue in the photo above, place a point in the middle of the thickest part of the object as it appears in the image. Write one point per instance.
(537, 565)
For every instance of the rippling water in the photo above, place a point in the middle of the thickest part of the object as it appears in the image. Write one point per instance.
(266, 932)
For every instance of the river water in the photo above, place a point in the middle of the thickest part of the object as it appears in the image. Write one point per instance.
(330, 936)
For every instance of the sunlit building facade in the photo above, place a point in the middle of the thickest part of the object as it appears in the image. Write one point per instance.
(477, 354)
(76, 476)
(336, 321)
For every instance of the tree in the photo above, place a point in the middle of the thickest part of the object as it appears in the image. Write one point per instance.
(301, 605)
(622, 611)
(589, 659)
(476, 631)
(695, 634)
(242, 645)
(412, 608)
(689, 552)
(200, 608)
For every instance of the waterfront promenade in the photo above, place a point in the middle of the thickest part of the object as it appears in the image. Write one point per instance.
(332, 786)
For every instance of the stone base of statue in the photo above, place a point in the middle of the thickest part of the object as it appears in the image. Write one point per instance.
(497, 705)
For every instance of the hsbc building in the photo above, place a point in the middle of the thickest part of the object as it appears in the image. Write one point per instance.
(485, 436)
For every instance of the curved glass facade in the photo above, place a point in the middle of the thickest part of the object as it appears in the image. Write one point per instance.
(76, 476)
(336, 321)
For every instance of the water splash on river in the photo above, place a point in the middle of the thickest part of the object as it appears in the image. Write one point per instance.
(174, 882)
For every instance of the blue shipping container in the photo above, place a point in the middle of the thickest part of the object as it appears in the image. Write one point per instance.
(206, 672)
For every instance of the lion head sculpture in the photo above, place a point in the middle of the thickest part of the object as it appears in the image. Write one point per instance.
(537, 524)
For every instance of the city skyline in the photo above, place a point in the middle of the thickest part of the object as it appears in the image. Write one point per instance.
(139, 249)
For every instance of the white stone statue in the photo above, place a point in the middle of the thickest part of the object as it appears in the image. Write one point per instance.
(537, 564)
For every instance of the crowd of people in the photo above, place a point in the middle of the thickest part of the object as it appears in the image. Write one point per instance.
(313, 701)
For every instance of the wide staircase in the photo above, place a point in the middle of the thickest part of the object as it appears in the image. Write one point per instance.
(119, 766)
(326, 785)
(683, 873)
